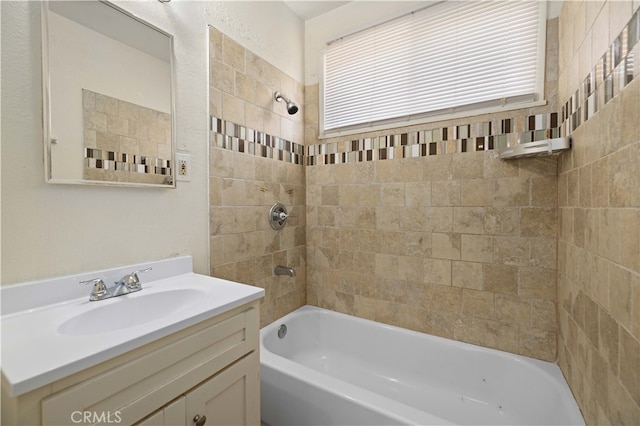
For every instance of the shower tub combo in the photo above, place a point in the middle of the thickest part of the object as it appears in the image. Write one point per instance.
(320, 367)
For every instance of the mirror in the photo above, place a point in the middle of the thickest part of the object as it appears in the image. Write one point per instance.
(108, 97)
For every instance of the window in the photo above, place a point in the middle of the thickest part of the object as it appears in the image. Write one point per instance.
(449, 57)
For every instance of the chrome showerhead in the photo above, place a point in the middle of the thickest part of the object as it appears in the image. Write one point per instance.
(292, 108)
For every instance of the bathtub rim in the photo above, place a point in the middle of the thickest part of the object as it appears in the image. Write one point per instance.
(550, 368)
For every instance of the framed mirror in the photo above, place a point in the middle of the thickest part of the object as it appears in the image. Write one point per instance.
(109, 112)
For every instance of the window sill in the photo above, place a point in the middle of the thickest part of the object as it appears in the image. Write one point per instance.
(419, 120)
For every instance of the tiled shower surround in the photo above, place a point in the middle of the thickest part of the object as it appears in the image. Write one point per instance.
(461, 246)
(599, 211)
(244, 183)
(427, 229)
(424, 227)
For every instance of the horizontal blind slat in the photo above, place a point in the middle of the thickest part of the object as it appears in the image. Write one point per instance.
(449, 55)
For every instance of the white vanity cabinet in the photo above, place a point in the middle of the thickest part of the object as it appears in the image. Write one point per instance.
(228, 398)
(208, 369)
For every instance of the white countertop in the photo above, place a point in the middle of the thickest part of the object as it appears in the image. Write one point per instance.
(36, 351)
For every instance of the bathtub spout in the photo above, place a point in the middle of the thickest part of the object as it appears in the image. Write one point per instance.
(284, 270)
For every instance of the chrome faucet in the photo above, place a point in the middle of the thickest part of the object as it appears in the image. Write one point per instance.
(130, 283)
(284, 270)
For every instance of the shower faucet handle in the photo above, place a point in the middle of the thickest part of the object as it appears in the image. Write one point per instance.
(278, 216)
(284, 215)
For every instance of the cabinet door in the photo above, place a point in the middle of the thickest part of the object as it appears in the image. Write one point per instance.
(231, 397)
(172, 414)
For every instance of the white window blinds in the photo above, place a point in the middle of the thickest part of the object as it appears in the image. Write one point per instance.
(452, 55)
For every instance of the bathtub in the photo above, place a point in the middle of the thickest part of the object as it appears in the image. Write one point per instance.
(334, 369)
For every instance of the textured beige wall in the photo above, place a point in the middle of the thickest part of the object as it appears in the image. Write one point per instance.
(56, 230)
(243, 187)
(458, 245)
(599, 239)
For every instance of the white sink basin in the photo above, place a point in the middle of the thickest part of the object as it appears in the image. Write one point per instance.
(51, 330)
(129, 310)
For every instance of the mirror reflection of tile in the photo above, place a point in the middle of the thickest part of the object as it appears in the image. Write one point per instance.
(125, 142)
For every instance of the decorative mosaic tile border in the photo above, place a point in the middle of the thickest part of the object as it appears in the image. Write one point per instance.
(110, 160)
(235, 137)
(446, 140)
(615, 69)
(473, 137)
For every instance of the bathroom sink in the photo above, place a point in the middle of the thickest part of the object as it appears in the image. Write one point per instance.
(129, 311)
(74, 333)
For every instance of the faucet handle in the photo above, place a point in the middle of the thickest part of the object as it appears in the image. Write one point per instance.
(278, 216)
(99, 288)
(132, 280)
(135, 274)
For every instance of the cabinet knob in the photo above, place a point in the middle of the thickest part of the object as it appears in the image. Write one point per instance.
(200, 420)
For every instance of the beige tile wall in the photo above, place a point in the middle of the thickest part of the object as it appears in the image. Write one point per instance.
(461, 246)
(243, 187)
(599, 239)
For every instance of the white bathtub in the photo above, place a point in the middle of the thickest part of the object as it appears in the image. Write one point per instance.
(335, 369)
